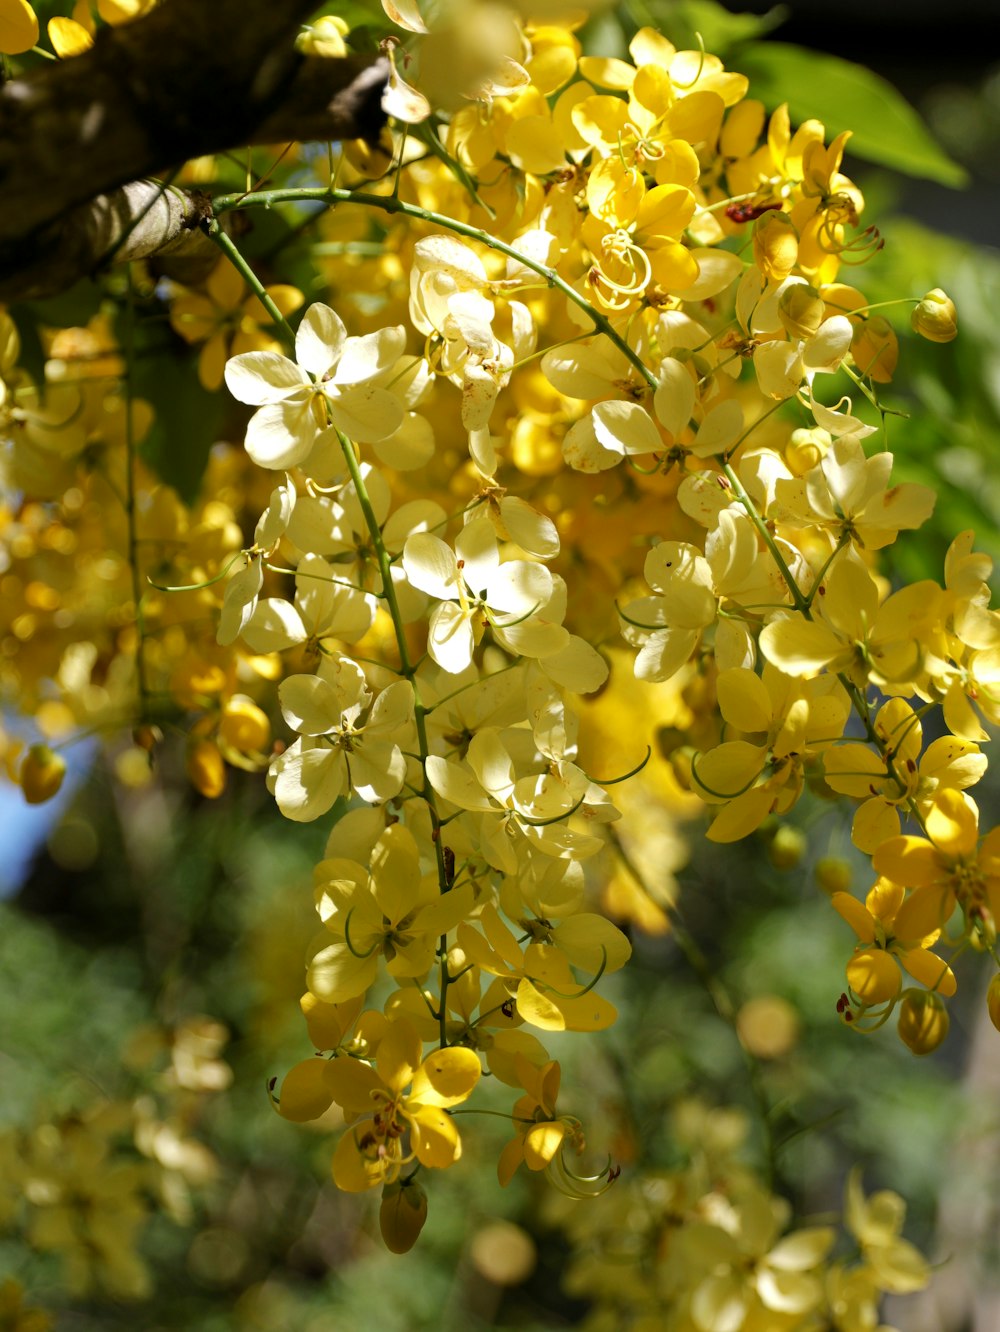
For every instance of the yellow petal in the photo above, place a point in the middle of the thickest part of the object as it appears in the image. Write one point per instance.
(401, 1215)
(351, 1084)
(741, 816)
(924, 911)
(68, 38)
(510, 1158)
(798, 646)
(875, 822)
(929, 970)
(306, 1092)
(399, 1053)
(744, 700)
(856, 914)
(953, 824)
(405, 14)
(446, 1077)
(353, 1172)
(874, 976)
(726, 771)
(435, 1137)
(541, 1142)
(18, 27)
(911, 861)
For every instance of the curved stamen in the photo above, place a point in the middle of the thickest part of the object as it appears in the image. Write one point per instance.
(721, 795)
(347, 939)
(612, 781)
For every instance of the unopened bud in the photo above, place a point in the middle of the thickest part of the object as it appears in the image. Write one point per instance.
(42, 773)
(833, 875)
(325, 37)
(243, 727)
(787, 847)
(206, 769)
(923, 1021)
(775, 245)
(875, 349)
(982, 927)
(806, 449)
(801, 310)
(935, 317)
(402, 1215)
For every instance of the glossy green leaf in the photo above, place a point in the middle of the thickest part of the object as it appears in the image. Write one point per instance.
(886, 129)
(685, 20)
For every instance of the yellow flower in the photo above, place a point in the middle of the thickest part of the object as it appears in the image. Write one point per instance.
(541, 1132)
(854, 769)
(885, 930)
(540, 979)
(876, 1222)
(852, 633)
(392, 913)
(390, 1127)
(228, 320)
(794, 721)
(948, 866)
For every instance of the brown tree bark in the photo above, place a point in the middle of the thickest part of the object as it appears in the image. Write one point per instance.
(193, 77)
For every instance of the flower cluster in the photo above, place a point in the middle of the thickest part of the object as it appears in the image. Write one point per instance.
(82, 1186)
(709, 1247)
(582, 384)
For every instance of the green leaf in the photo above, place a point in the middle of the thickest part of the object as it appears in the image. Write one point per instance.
(187, 417)
(886, 129)
(684, 20)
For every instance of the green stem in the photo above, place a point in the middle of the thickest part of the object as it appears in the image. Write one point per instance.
(231, 252)
(408, 670)
(390, 204)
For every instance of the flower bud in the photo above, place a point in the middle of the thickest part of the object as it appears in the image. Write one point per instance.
(875, 349)
(775, 245)
(402, 1215)
(923, 1021)
(801, 310)
(806, 449)
(833, 874)
(205, 769)
(982, 927)
(325, 37)
(243, 727)
(935, 317)
(42, 773)
(787, 847)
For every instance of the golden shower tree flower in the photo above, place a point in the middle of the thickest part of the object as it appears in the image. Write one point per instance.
(390, 1127)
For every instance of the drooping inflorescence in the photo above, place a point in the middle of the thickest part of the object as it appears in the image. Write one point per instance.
(577, 380)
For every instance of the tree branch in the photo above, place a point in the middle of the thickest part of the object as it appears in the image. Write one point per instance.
(194, 77)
